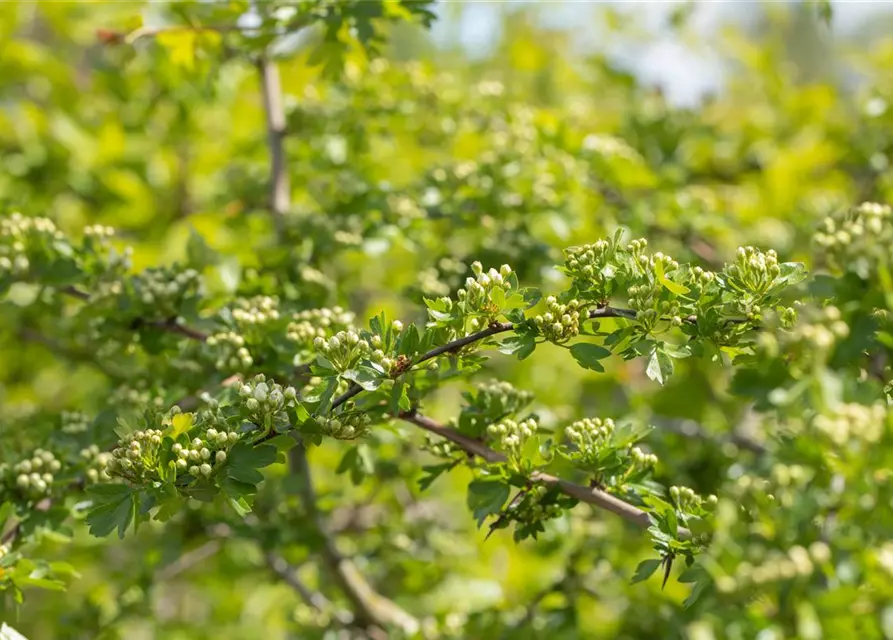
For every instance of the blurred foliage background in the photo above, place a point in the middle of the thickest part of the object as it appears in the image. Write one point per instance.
(450, 148)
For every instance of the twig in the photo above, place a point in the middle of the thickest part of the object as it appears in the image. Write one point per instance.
(589, 495)
(190, 559)
(372, 609)
(289, 576)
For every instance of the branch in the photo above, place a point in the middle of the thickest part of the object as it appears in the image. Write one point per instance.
(372, 609)
(589, 495)
(495, 328)
(170, 326)
(280, 192)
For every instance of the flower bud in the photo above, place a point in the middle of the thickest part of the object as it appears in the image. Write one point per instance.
(397, 326)
(252, 404)
(205, 470)
(220, 457)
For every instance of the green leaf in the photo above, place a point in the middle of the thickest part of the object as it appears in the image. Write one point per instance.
(645, 569)
(239, 495)
(669, 285)
(180, 44)
(115, 513)
(486, 497)
(366, 377)
(520, 346)
(409, 341)
(180, 424)
(358, 461)
(588, 355)
(283, 443)
(660, 366)
(531, 296)
(243, 462)
(108, 492)
(198, 253)
(432, 473)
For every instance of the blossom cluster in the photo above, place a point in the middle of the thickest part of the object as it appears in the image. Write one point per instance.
(560, 322)
(33, 476)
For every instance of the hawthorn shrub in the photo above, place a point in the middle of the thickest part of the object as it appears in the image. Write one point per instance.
(301, 340)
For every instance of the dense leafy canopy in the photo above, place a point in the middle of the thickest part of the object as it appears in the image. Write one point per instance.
(303, 339)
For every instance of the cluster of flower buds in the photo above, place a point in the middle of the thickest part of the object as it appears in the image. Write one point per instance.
(435, 281)
(498, 397)
(164, 289)
(590, 436)
(346, 348)
(753, 271)
(33, 477)
(265, 398)
(96, 462)
(511, 434)
(74, 422)
(99, 232)
(477, 294)
(883, 556)
(136, 457)
(346, 425)
(202, 455)
(857, 239)
(588, 264)
(777, 566)
(702, 277)
(231, 352)
(560, 322)
(641, 461)
(853, 422)
(126, 397)
(812, 340)
(439, 447)
(609, 147)
(22, 236)
(314, 382)
(645, 300)
(649, 264)
(255, 311)
(534, 507)
(687, 500)
(795, 476)
(310, 324)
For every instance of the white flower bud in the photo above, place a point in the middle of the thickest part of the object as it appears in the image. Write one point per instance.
(205, 470)
(220, 457)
